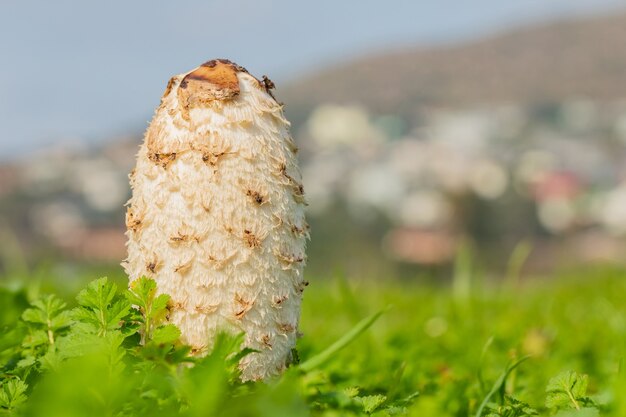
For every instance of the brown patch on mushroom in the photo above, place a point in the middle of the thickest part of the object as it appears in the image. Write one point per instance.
(184, 267)
(179, 238)
(185, 234)
(205, 309)
(300, 199)
(279, 220)
(162, 159)
(213, 80)
(212, 147)
(211, 158)
(170, 85)
(278, 300)
(174, 305)
(286, 327)
(301, 286)
(132, 177)
(298, 193)
(297, 187)
(198, 350)
(291, 144)
(153, 265)
(264, 83)
(298, 231)
(288, 258)
(256, 196)
(282, 170)
(268, 85)
(243, 306)
(266, 341)
(133, 220)
(218, 77)
(219, 263)
(251, 239)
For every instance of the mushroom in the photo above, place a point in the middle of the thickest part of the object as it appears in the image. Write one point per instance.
(216, 216)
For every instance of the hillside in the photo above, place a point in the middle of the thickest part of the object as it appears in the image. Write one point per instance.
(584, 58)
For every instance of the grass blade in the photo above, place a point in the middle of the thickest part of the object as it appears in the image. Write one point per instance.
(517, 260)
(346, 339)
(479, 372)
(497, 386)
(462, 275)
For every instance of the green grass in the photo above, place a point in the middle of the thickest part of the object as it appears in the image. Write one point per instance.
(537, 347)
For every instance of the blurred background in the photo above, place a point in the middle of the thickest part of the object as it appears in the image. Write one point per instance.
(424, 127)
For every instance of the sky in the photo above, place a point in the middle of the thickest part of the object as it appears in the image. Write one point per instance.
(87, 71)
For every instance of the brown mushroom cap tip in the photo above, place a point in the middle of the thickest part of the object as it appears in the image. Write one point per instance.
(217, 76)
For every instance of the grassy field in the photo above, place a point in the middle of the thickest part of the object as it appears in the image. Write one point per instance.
(540, 347)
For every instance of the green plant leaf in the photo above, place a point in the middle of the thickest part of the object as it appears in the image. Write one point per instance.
(101, 309)
(98, 294)
(583, 412)
(371, 403)
(35, 338)
(159, 306)
(511, 408)
(152, 308)
(12, 393)
(141, 291)
(168, 333)
(567, 390)
(47, 314)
